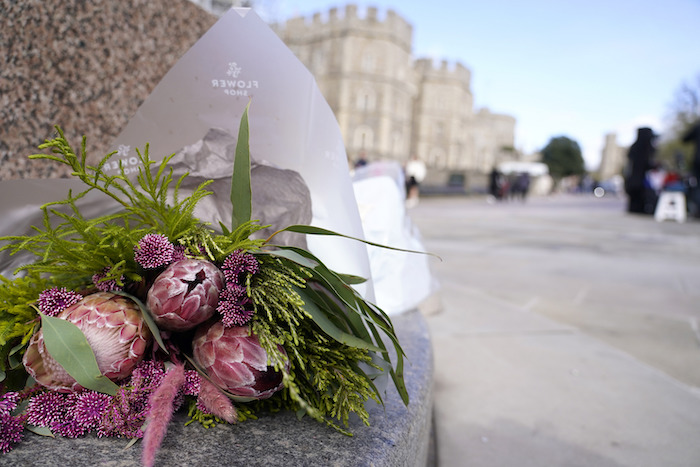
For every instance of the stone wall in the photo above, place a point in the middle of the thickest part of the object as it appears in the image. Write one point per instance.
(85, 66)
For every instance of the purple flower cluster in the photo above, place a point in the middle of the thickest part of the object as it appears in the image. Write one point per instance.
(54, 300)
(235, 306)
(154, 251)
(106, 285)
(75, 414)
(11, 428)
(11, 431)
(126, 412)
(237, 264)
(8, 402)
(69, 415)
(193, 383)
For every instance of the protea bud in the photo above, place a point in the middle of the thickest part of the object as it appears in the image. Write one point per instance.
(235, 361)
(185, 294)
(115, 330)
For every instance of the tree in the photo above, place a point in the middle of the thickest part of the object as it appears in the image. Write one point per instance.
(684, 111)
(563, 157)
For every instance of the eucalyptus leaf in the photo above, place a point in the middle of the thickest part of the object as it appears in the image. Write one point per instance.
(68, 346)
(131, 442)
(41, 431)
(241, 194)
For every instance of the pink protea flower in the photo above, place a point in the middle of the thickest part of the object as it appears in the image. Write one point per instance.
(54, 300)
(154, 251)
(185, 294)
(115, 330)
(235, 361)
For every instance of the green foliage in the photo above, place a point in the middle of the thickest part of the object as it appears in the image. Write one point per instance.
(16, 311)
(323, 377)
(563, 157)
(684, 111)
(71, 248)
(324, 338)
(18, 320)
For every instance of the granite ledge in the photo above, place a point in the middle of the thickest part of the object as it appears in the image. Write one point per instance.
(398, 435)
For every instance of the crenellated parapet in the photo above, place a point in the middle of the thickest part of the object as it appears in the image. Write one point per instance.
(429, 70)
(350, 19)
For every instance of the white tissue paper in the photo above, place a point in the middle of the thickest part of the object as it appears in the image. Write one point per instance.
(401, 280)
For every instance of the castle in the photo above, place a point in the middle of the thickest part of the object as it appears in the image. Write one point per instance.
(390, 105)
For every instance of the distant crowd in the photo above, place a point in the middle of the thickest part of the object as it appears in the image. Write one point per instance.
(509, 186)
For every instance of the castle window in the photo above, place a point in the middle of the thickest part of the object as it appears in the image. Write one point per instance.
(397, 143)
(437, 158)
(369, 63)
(366, 100)
(364, 138)
(317, 61)
(438, 129)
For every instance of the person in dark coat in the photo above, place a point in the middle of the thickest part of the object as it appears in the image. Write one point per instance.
(639, 160)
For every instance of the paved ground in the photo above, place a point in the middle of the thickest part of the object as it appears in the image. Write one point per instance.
(566, 332)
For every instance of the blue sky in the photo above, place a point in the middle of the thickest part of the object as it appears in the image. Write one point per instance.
(562, 67)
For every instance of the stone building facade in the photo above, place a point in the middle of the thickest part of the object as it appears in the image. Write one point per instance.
(613, 158)
(390, 105)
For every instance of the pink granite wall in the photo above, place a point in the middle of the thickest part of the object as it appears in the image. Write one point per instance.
(83, 65)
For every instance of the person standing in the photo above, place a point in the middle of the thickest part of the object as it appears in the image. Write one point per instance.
(415, 173)
(639, 160)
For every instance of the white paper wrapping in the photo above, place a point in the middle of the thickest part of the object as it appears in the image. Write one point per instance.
(241, 60)
(401, 280)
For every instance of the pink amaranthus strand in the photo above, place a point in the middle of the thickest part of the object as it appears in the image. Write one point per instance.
(161, 403)
(216, 403)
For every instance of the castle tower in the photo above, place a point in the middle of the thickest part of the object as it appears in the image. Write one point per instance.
(442, 112)
(387, 105)
(612, 158)
(492, 140)
(363, 66)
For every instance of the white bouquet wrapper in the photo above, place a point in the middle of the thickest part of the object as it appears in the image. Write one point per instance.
(241, 60)
(401, 280)
(195, 111)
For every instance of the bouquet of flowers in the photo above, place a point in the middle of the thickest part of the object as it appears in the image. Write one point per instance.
(126, 317)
